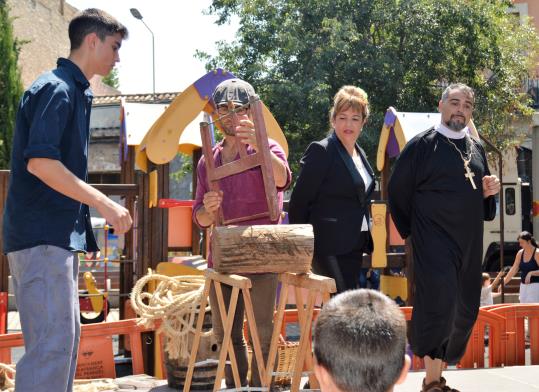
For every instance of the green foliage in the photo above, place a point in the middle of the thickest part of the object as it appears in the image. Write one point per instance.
(298, 53)
(112, 79)
(10, 85)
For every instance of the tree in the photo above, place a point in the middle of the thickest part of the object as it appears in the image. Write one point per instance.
(298, 53)
(112, 78)
(10, 85)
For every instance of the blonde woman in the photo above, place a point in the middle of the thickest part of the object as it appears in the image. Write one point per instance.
(333, 191)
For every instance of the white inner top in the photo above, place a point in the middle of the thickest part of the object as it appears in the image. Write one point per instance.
(367, 179)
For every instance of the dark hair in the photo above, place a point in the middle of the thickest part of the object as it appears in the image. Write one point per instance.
(96, 21)
(459, 86)
(360, 339)
(527, 236)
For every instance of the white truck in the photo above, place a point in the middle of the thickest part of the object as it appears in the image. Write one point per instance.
(517, 211)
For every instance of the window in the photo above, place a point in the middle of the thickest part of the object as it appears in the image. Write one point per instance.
(510, 208)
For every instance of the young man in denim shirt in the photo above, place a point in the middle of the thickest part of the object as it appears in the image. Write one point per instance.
(47, 220)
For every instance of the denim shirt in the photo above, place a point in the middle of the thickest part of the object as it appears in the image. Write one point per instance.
(53, 121)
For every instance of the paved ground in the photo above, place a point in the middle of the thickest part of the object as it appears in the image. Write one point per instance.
(508, 379)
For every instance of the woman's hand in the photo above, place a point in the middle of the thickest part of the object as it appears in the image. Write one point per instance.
(528, 278)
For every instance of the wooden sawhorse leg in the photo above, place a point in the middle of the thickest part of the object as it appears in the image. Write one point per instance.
(316, 285)
(238, 283)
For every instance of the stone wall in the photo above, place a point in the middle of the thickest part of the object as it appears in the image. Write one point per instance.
(43, 23)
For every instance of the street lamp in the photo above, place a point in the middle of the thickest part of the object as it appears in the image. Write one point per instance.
(138, 16)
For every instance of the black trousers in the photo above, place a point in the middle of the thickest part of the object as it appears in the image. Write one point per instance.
(344, 268)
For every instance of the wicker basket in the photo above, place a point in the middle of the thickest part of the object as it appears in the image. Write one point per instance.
(286, 357)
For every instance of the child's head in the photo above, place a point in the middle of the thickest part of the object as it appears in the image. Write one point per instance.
(485, 278)
(360, 343)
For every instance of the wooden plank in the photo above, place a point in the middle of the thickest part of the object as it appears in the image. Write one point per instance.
(308, 281)
(249, 162)
(265, 158)
(117, 189)
(232, 280)
(196, 248)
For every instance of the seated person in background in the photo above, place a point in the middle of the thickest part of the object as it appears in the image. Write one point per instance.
(487, 295)
(360, 343)
(371, 275)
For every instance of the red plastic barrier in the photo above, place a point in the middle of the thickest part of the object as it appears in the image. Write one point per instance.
(3, 312)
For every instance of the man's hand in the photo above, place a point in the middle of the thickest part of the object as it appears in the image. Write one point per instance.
(116, 215)
(491, 185)
(246, 132)
(212, 201)
(53, 173)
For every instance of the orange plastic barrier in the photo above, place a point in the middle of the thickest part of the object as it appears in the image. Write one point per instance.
(506, 336)
(514, 336)
(3, 312)
(96, 358)
(474, 357)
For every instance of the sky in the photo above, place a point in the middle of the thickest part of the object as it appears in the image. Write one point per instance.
(179, 28)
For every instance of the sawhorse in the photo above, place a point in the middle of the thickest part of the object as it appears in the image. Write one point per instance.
(238, 283)
(315, 285)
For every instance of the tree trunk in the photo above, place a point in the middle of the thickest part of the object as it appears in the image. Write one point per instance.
(264, 248)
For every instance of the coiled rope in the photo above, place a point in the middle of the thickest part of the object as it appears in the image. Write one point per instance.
(175, 302)
(7, 383)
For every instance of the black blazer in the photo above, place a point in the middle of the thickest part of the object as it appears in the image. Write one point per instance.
(330, 194)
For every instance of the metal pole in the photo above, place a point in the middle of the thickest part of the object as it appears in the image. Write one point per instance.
(535, 174)
(136, 14)
(153, 57)
(502, 206)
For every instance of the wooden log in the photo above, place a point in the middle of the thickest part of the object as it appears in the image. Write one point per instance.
(263, 248)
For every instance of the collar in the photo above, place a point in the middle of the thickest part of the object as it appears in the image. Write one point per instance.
(74, 71)
(449, 133)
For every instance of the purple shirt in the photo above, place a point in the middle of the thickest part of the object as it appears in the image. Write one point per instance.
(243, 193)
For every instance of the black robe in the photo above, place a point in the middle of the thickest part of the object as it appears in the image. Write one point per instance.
(432, 201)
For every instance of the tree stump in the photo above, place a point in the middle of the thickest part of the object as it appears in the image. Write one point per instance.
(262, 249)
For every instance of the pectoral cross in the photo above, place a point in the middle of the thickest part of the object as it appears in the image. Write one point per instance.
(469, 174)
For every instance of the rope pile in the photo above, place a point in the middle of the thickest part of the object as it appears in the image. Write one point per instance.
(175, 302)
(7, 383)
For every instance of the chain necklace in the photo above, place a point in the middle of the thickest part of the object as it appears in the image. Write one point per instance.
(466, 159)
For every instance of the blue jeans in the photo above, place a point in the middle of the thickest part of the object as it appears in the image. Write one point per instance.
(374, 278)
(45, 282)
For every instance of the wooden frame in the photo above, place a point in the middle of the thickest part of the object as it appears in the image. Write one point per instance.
(261, 158)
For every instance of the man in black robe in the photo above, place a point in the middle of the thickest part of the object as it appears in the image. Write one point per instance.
(440, 192)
